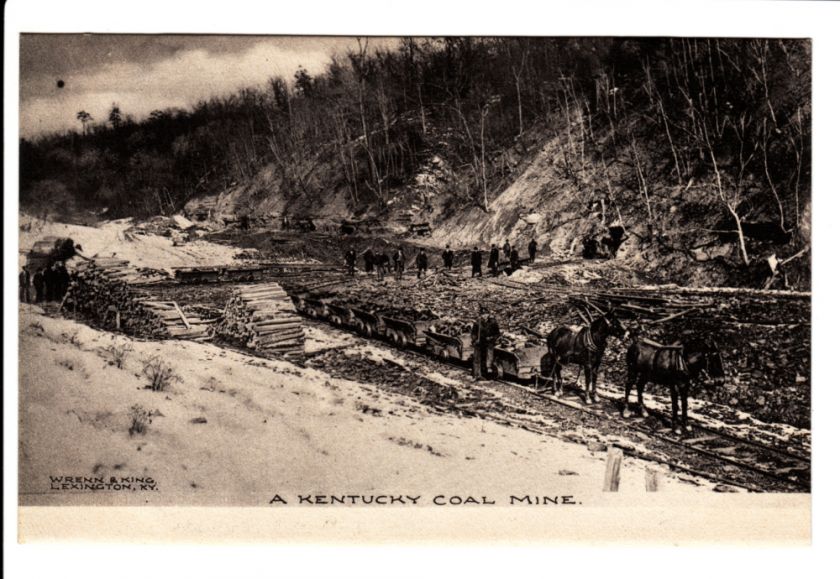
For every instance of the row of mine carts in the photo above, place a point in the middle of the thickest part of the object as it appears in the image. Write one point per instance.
(523, 363)
(239, 273)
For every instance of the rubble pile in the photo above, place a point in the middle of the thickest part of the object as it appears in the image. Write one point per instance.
(262, 317)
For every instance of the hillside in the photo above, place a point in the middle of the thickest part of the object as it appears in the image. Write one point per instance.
(699, 149)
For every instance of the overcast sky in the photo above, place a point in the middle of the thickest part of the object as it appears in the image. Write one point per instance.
(142, 73)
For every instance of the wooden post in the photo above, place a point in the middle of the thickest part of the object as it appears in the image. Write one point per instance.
(613, 473)
(651, 480)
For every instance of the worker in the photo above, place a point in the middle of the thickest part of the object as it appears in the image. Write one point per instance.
(514, 260)
(399, 263)
(381, 262)
(475, 260)
(350, 260)
(63, 279)
(23, 282)
(493, 263)
(368, 258)
(448, 257)
(422, 262)
(38, 282)
(532, 249)
(485, 334)
(49, 283)
(506, 249)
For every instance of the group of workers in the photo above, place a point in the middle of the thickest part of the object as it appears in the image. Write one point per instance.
(511, 257)
(379, 261)
(50, 283)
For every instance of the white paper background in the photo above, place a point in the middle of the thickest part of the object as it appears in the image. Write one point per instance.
(817, 20)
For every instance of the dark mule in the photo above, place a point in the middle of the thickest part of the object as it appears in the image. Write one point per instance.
(677, 366)
(584, 347)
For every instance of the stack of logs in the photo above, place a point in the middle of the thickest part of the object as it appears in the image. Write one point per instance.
(262, 317)
(177, 323)
(99, 290)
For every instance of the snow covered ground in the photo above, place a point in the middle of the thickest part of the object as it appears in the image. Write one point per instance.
(110, 240)
(236, 430)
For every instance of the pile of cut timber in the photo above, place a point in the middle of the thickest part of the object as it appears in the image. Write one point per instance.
(262, 317)
(104, 291)
(177, 323)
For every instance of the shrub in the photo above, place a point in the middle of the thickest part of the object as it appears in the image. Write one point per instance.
(140, 420)
(160, 373)
(72, 338)
(116, 354)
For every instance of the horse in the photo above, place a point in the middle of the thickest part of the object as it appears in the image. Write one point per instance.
(678, 366)
(584, 347)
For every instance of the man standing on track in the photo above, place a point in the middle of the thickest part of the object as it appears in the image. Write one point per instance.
(422, 262)
(485, 334)
(493, 263)
(532, 250)
(475, 260)
(448, 258)
(399, 263)
(350, 259)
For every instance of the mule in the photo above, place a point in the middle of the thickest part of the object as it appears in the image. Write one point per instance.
(677, 366)
(584, 347)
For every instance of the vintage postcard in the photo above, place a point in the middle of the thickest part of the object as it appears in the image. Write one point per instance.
(397, 288)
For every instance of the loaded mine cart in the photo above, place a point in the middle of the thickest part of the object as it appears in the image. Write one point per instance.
(243, 273)
(403, 332)
(313, 307)
(524, 363)
(206, 274)
(367, 323)
(338, 314)
(450, 347)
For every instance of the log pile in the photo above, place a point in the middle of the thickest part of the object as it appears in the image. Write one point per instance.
(106, 291)
(262, 317)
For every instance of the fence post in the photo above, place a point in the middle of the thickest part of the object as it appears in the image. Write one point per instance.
(651, 480)
(613, 474)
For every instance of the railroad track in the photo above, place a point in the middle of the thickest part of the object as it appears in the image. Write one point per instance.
(779, 465)
(730, 453)
(771, 462)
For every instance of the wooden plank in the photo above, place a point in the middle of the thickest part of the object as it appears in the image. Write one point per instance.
(612, 475)
(180, 313)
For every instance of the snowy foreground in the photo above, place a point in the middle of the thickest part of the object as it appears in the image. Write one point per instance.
(239, 430)
(235, 429)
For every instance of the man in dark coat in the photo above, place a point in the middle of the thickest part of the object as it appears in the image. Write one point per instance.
(350, 260)
(50, 283)
(422, 263)
(514, 260)
(38, 282)
(367, 257)
(448, 257)
(399, 263)
(485, 335)
(493, 263)
(23, 282)
(475, 260)
(63, 279)
(532, 249)
(506, 249)
(381, 262)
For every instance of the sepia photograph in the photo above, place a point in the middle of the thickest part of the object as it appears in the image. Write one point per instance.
(447, 276)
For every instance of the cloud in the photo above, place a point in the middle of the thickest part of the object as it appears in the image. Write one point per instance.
(139, 88)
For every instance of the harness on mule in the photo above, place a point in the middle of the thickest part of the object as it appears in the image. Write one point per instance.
(671, 355)
(587, 340)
